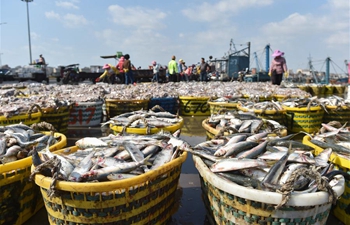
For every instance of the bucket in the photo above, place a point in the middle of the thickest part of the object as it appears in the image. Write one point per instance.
(116, 107)
(341, 211)
(20, 198)
(216, 107)
(86, 114)
(194, 106)
(341, 114)
(58, 117)
(276, 115)
(28, 118)
(170, 104)
(302, 119)
(230, 203)
(148, 198)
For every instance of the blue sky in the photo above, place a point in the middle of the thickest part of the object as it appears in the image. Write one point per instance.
(76, 31)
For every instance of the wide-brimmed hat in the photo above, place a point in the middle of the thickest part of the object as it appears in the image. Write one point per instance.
(181, 60)
(106, 66)
(277, 53)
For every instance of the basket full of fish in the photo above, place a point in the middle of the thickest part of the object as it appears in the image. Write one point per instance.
(303, 114)
(20, 198)
(226, 103)
(251, 179)
(336, 109)
(129, 179)
(236, 122)
(335, 136)
(267, 109)
(145, 121)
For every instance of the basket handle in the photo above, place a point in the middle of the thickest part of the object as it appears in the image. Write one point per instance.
(30, 111)
(158, 107)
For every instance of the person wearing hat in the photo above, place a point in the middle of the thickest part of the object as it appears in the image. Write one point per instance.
(156, 68)
(173, 70)
(108, 75)
(278, 68)
(182, 69)
(127, 70)
(41, 60)
(119, 67)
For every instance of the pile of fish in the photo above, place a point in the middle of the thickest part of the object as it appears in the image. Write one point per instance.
(110, 158)
(302, 102)
(268, 163)
(336, 136)
(252, 106)
(335, 101)
(145, 119)
(243, 122)
(18, 140)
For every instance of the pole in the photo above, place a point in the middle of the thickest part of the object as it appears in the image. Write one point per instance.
(30, 44)
(327, 70)
(267, 52)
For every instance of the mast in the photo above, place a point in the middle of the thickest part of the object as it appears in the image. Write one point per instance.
(327, 70)
(311, 68)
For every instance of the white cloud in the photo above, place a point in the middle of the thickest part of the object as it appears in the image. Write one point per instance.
(34, 36)
(67, 5)
(52, 15)
(341, 37)
(218, 11)
(72, 20)
(141, 18)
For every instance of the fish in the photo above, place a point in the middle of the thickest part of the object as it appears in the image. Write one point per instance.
(120, 176)
(335, 147)
(89, 142)
(230, 164)
(163, 157)
(84, 166)
(239, 147)
(253, 152)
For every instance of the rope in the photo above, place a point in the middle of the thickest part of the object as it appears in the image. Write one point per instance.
(42, 126)
(312, 174)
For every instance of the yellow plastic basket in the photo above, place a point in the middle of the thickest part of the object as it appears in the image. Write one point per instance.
(329, 89)
(216, 107)
(132, 130)
(20, 198)
(29, 118)
(116, 107)
(230, 203)
(276, 115)
(341, 211)
(341, 114)
(340, 89)
(194, 106)
(58, 117)
(146, 199)
(302, 119)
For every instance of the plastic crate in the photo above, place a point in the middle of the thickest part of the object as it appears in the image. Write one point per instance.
(342, 209)
(86, 114)
(148, 198)
(194, 106)
(229, 203)
(20, 198)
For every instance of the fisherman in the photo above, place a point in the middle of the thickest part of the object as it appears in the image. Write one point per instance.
(108, 75)
(278, 67)
(127, 66)
(41, 60)
(173, 70)
(204, 69)
(156, 68)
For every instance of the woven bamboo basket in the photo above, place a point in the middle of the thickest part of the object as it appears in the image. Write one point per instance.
(132, 130)
(341, 211)
(20, 198)
(28, 118)
(276, 115)
(303, 119)
(146, 199)
(339, 88)
(86, 114)
(194, 106)
(341, 114)
(229, 203)
(216, 107)
(116, 107)
(169, 104)
(58, 117)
